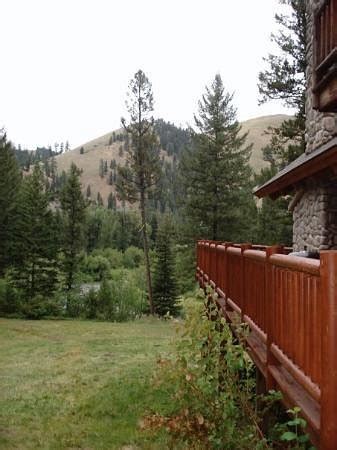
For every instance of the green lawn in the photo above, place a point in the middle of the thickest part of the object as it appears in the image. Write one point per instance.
(79, 385)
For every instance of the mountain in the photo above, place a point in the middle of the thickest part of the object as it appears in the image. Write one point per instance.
(257, 136)
(109, 150)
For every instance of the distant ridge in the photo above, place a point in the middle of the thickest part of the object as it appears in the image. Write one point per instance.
(103, 148)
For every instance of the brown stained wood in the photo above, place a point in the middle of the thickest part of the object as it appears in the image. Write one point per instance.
(255, 329)
(327, 97)
(329, 350)
(307, 384)
(291, 310)
(296, 263)
(295, 395)
(234, 306)
(258, 352)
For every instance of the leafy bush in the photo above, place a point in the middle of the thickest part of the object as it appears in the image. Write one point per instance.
(185, 268)
(90, 304)
(74, 305)
(114, 257)
(213, 385)
(39, 307)
(119, 300)
(10, 299)
(97, 266)
(133, 257)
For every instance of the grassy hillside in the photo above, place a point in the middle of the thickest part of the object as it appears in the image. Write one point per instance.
(256, 135)
(100, 149)
(76, 384)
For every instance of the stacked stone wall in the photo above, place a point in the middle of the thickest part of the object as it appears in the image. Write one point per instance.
(315, 217)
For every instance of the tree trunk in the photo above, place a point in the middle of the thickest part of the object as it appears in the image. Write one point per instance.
(146, 250)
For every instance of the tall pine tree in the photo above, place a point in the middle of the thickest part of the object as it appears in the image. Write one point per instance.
(164, 279)
(215, 171)
(285, 79)
(36, 248)
(142, 168)
(73, 211)
(10, 180)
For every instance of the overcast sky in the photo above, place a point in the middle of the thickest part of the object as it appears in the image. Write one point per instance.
(66, 64)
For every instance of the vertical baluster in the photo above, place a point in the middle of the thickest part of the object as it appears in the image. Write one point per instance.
(333, 23)
(270, 288)
(244, 294)
(326, 30)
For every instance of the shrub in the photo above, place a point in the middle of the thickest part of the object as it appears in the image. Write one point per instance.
(211, 376)
(91, 303)
(10, 299)
(97, 266)
(133, 257)
(119, 300)
(39, 307)
(74, 304)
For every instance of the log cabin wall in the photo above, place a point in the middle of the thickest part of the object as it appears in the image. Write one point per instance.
(320, 126)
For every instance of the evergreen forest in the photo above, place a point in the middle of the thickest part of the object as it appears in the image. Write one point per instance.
(65, 253)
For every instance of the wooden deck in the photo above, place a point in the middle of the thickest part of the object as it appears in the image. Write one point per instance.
(290, 306)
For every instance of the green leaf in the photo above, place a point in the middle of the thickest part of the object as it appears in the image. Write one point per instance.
(288, 436)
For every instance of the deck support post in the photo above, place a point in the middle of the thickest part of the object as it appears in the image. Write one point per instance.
(328, 431)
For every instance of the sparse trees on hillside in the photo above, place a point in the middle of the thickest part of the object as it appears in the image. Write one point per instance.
(143, 170)
(112, 202)
(101, 168)
(216, 173)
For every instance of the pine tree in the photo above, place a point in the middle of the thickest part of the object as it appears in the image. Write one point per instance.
(285, 79)
(216, 171)
(36, 249)
(88, 193)
(112, 202)
(73, 212)
(99, 199)
(10, 180)
(142, 171)
(164, 279)
(101, 168)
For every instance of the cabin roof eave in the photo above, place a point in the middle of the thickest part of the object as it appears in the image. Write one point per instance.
(305, 166)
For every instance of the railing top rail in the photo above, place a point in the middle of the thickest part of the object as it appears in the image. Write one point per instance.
(256, 255)
(310, 266)
(234, 250)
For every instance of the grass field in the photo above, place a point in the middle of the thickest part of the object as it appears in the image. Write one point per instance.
(79, 385)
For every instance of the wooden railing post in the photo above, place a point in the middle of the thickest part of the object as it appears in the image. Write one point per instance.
(244, 293)
(269, 293)
(328, 269)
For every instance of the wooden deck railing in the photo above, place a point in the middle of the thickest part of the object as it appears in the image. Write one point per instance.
(290, 306)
